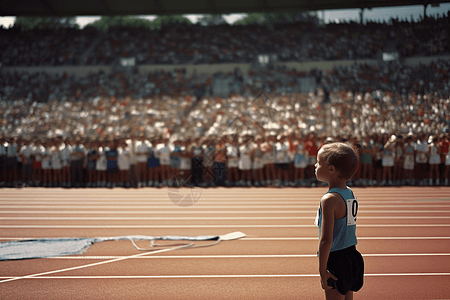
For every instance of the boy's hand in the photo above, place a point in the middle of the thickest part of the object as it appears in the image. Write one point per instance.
(324, 280)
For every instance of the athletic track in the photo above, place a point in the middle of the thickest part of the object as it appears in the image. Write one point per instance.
(403, 233)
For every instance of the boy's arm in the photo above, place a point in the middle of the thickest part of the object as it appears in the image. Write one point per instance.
(328, 204)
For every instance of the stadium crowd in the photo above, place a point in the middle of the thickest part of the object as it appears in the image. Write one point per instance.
(181, 44)
(69, 131)
(167, 128)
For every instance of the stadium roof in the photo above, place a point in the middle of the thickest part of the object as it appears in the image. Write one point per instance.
(163, 7)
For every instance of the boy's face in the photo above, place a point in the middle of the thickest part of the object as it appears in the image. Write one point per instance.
(321, 167)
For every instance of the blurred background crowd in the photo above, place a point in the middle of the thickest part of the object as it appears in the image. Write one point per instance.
(166, 127)
(182, 44)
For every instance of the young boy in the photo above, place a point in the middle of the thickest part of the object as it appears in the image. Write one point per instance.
(341, 266)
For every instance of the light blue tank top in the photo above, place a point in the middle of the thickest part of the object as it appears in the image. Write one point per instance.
(344, 230)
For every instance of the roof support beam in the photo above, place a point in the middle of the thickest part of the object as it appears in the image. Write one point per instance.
(105, 8)
(48, 9)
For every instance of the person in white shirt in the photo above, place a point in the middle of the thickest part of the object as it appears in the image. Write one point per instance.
(245, 162)
(142, 149)
(186, 161)
(421, 158)
(65, 151)
(164, 158)
(56, 163)
(26, 152)
(133, 161)
(46, 164)
(123, 163)
(282, 161)
(232, 161)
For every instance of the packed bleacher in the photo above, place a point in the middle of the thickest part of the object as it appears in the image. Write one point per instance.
(182, 44)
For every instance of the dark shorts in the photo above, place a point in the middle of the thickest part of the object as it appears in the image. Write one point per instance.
(90, 166)
(347, 265)
(11, 163)
(112, 170)
(152, 162)
(282, 166)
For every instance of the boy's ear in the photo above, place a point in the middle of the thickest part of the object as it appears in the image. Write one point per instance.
(331, 169)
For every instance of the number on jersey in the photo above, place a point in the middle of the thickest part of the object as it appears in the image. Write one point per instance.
(352, 211)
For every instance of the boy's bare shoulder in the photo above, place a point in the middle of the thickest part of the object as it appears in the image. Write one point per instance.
(329, 200)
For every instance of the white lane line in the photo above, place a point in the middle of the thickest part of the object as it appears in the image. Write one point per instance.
(205, 201)
(286, 238)
(243, 256)
(213, 226)
(215, 212)
(170, 205)
(218, 276)
(92, 264)
(206, 218)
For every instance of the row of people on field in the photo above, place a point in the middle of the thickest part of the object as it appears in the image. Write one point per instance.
(283, 160)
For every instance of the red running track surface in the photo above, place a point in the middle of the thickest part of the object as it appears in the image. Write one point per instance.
(403, 234)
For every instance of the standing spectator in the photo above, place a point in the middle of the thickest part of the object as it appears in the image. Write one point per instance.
(258, 163)
(76, 164)
(26, 152)
(282, 161)
(208, 163)
(142, 149)
(56, 163)
(444, 146)
(133, 161)
(123, 163)
(245, 162)
(368, 151)
(300, 162)
(434, 159)
(397, 172)
(111, 164)
(232, 161)
(197, 162)
(163, 154)
(91, 163)
(185, 162)
(268, 149)
(387, 162)
(408, 162)
(153, 164)
(312, 149)
(175, 161)
(38, 152)
(46, 164)
(380, 141)
(220, 161)
(101, 164)
(11, 166)
(447, 160)
(421, 159)
(65, 152)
